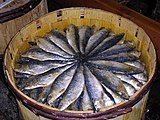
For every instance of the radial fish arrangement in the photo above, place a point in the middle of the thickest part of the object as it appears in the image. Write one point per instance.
(80, 68)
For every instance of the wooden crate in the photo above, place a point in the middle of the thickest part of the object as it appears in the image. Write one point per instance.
(60, 19)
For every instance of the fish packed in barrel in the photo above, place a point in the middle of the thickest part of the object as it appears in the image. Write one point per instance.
(80, 68)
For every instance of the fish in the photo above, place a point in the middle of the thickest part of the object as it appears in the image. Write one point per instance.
(73, 37)
(46, 78)
(50, 47)
(74, 89)
(106, 43)
(117, 98)
(75, 105)
(135, 53)
(110, 80)
(142, 77)
(137, 64)
(84, 35)
(41, 55)
(121, 57)
(95, 91)
(130, 89)
(21, 76)
(37, 67)
(59, 34)
(115, 67)
(116, 49)
(44, 93)
(96, 39)
(61, 83)
(62, 44)
(34, 93)
(86, 103)
(130, 80)
(93, 29)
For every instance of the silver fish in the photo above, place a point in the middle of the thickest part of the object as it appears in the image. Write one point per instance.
(96, 39)
(59, 34)
(41, 55)
(44, 93)
(131, 80)
(137, 64)
(121, 57)
(115, 67)
(93, 30)
(74, 89)
(106, 43)
(73, 37)
(95, 91)
(84, 35)
(111, 81)
(117, 98)
(60, 84)
(50, 47)
(34, 93)
(86, 103)
(130, 89)
(64, 45)
(142, 77)
(37, 67)
(116, 49)
(45, 79)
(135, 53)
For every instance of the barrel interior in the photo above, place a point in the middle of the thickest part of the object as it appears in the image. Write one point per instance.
(79, 16)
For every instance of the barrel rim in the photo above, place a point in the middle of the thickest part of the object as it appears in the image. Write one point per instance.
(63, 115)
(17, 12)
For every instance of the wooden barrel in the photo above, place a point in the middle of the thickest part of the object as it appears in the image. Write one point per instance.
(15, 14)
(132, 109)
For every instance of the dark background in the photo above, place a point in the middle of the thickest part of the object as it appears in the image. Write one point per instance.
(149, 8)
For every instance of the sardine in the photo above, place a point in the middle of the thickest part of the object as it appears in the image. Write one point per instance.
(115, 67)
(95, 91)
(86, 103)
(21, 76)
(111, 81)
(64, 45)
(96, 39)
(41, 55)
(106, 43)
(74, 89)
(46, 78)
(131, 80)
(116, 49)
(73, 37)
(34, 93)
(37, 67)
(60, 84)
(93, 30)
(117, 98)
(50, 47)
(130, 89)
(121, 57)
(137, 64)
(59, 34)
(84, 35)
(142, 77)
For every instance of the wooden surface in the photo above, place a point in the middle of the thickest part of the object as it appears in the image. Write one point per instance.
(150, 26)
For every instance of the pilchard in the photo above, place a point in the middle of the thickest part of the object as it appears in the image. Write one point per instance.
(131, 80)
(74, 89)
(121, 57)
(130, 89)
(37, 67)
(115, 67)
(62, 44)
(41, 55)
(60, 84)
(84, 35)
(59, 34)
(96, 39)
(111, 81)
(117, 98)
(73, 37)
(142, 77)
(86, 103)
(106, 43)
(46, 78)
(137, 64)
(50, 47)
(95, 91)
(116, 49)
